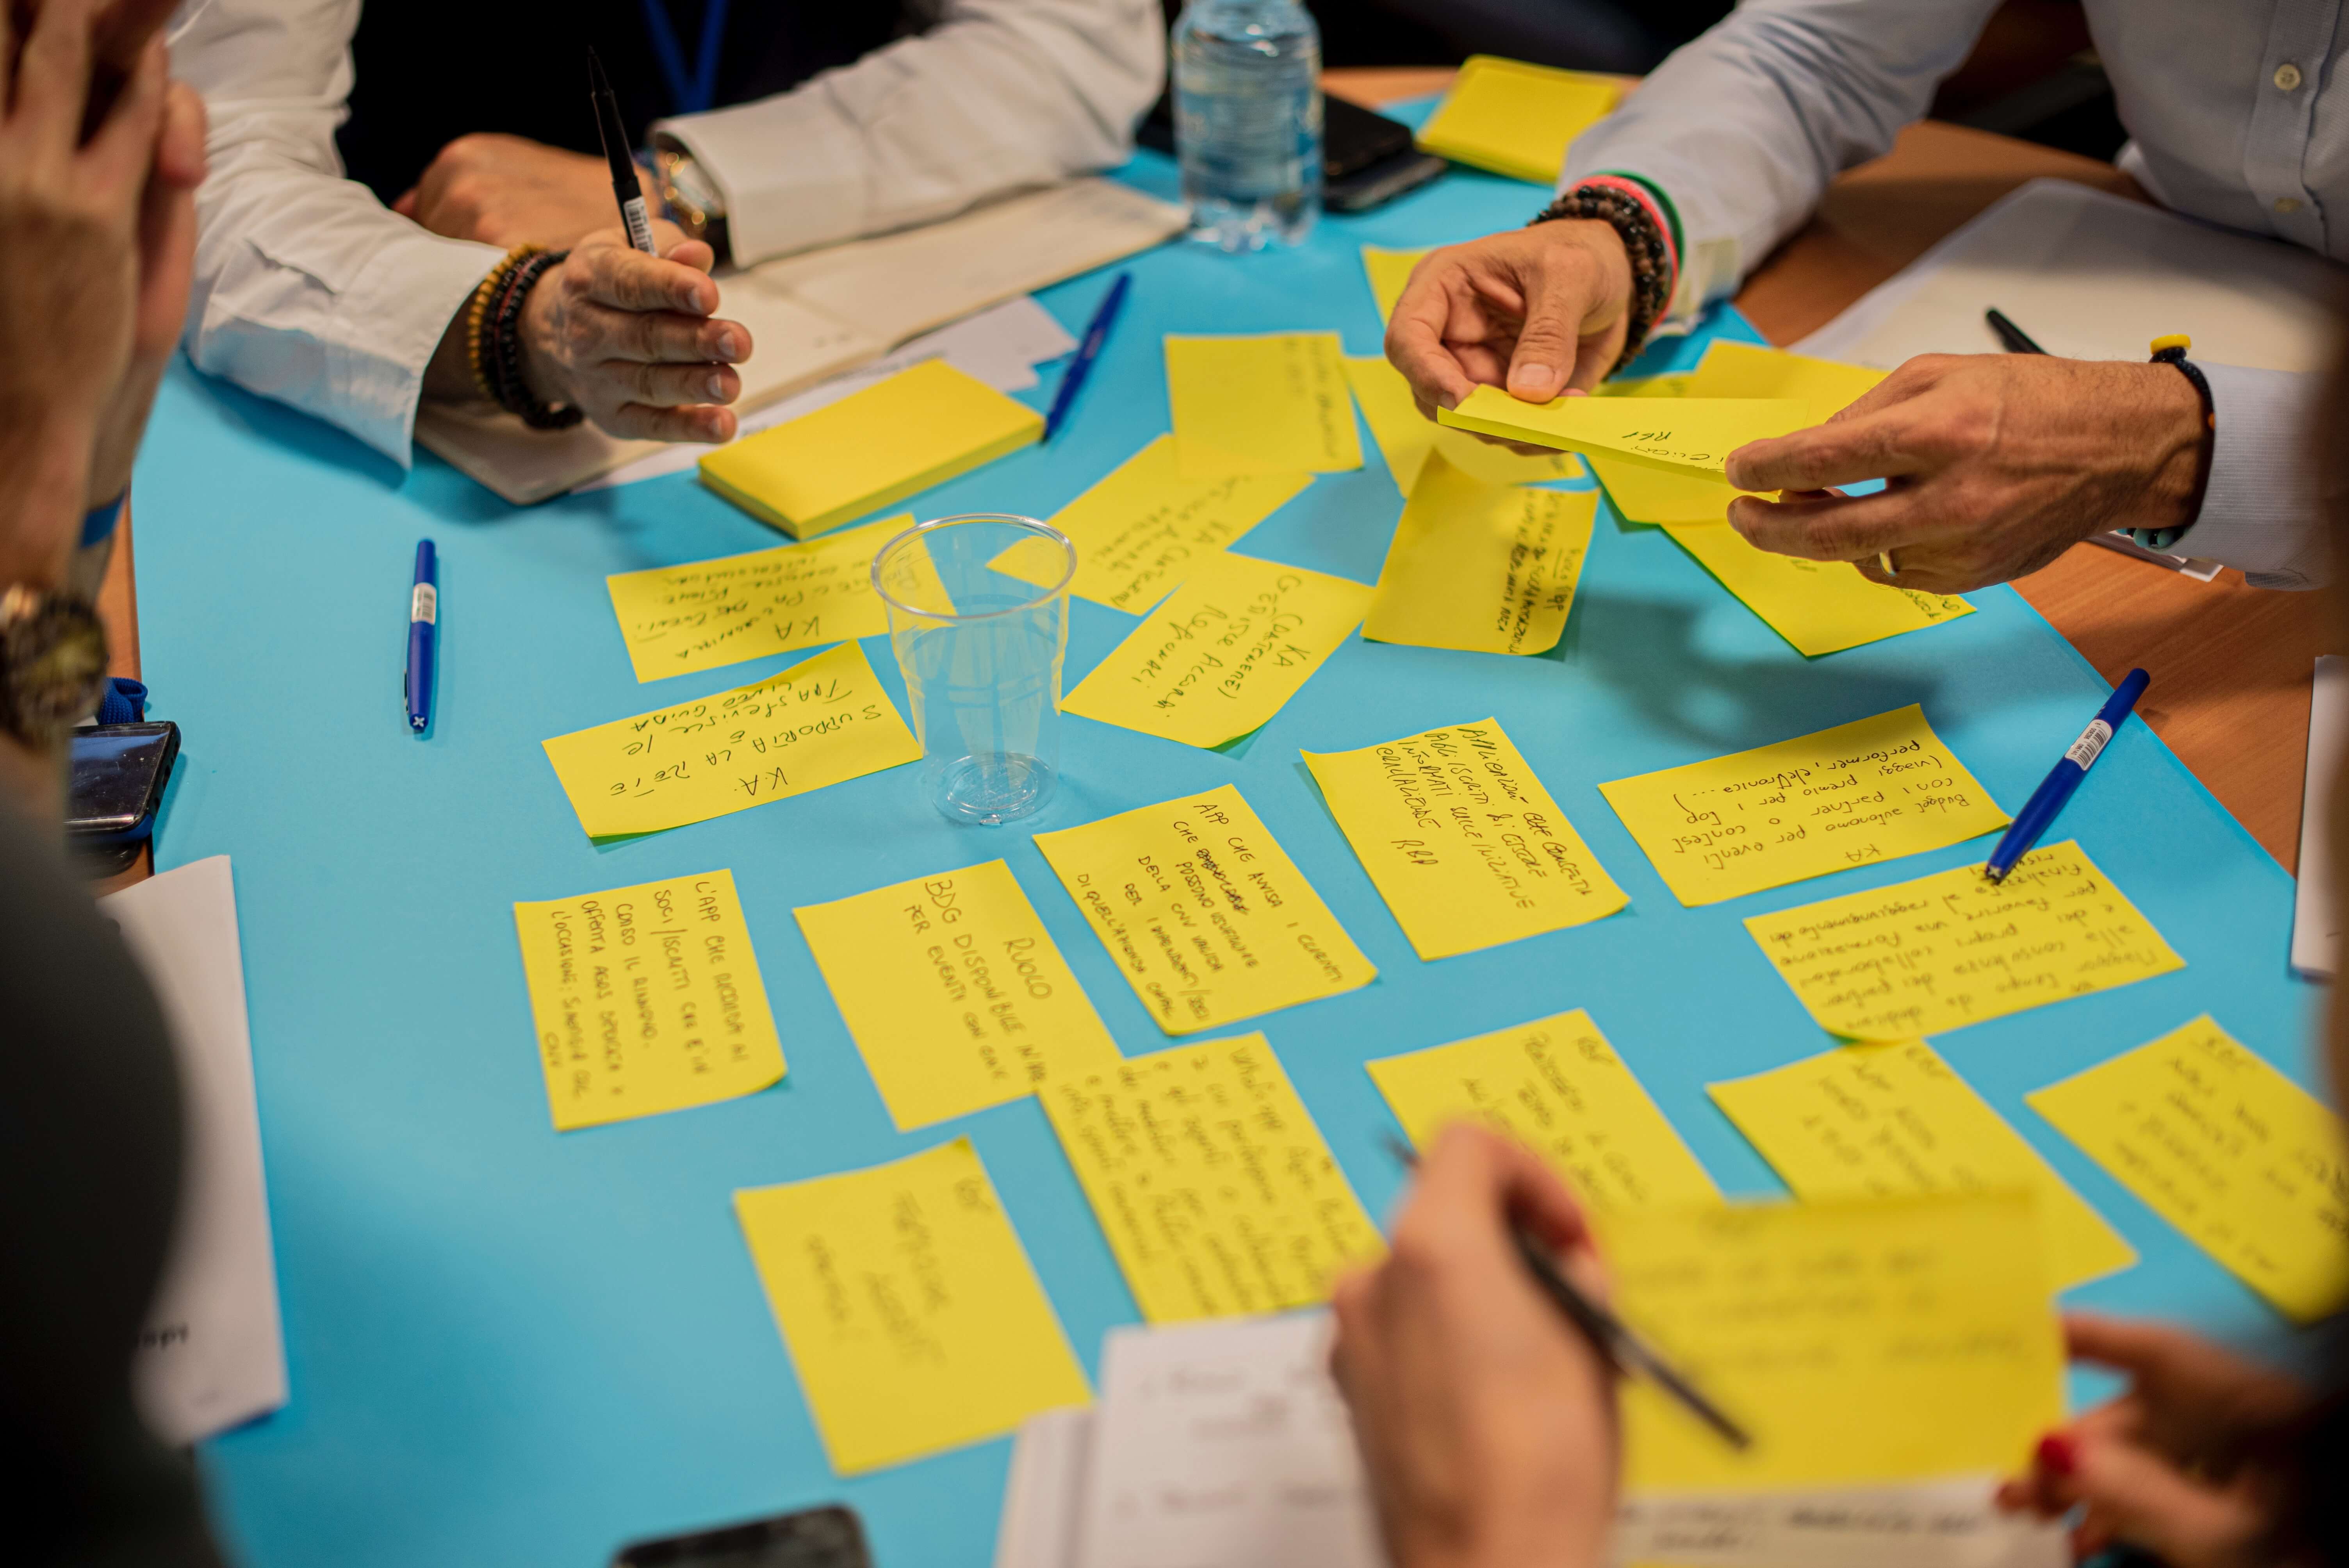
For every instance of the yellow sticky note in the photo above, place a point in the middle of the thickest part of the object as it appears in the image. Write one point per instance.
(1755, 370)
(912, 1314)
(1884, 1121)
(1556, 1087)
(1484, 569)
(919, 428)
(1462, 840)
(646, 999)
(679, 619)
(1873, 789)
(954, 993)
(1406, 437)
(1388, 271)
(1206, 914)
(1675, 385)
(1689, 435)
(1273, 404)
(1145, 528)
(1881, 1340)
(2248, 1164)
(822, 720)
(1221, 654)
(1642, 492)
(1820, 606)
(1515, 119)
(1215, 1190)
(1926, 956)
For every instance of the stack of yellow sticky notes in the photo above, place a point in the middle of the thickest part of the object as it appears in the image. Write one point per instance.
(920, 428)
(1515, 119)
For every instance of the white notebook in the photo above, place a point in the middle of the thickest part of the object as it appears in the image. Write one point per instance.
(819, 314)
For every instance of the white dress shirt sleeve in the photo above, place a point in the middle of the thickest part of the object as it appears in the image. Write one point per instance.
(308, 289)
(2264, 509)
(996, 95)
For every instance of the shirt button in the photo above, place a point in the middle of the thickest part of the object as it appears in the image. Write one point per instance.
(2287, 76)
(2287, 205)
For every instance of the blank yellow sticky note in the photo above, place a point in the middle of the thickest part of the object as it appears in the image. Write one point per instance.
(1273, 404)
(1556, 1087)
(1884, 1121)
(1875, 1340)
(1926, 956)
(1207, 916)
(1215, 1190)
(954, 993)
(1874, 789)
(1820, 606)
(1388, 271)
(919, 428)
(1484, 569)
(1756, 370)
(1462, 840)
(822, 720)
(1145, 528)
(2248, 1164)
(1515, 119)
(679, 619)
(1406, 437)
(646, 999)
(911, 1312)
(1221, 654)
(1689, 435)
(1642, 492)
(1675, 385)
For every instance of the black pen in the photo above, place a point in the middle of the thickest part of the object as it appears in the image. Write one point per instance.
(1615, 1343)
(2016, 340)
(626, 188)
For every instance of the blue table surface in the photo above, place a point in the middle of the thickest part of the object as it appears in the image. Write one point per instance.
(508, 1346)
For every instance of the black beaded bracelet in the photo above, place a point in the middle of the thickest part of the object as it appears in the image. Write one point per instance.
(501, 355)
(1644, 241)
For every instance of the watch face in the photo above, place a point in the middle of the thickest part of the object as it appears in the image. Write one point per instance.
(53, 663)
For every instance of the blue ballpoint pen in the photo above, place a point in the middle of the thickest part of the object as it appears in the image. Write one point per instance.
(423, 626)
(1073, 378)
(2057, 787)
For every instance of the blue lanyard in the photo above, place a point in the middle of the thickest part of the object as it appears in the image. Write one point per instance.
(695, 94)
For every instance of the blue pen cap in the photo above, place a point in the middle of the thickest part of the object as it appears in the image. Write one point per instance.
(426, 562)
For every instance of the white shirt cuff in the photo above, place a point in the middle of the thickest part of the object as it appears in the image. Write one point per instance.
(2264, 512)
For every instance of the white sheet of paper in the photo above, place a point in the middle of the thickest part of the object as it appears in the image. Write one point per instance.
(2096, 276)
(1040, 1494)
(1002, 345)
(212, 1353)
(1931, 1524)
(2315, 910)
(1224, 1443)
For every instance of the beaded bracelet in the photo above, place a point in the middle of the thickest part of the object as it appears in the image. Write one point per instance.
(501, 351)
(1655, 268)
(477, 313)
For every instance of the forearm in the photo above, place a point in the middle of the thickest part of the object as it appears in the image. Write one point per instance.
(2266, 509)
(45, 452)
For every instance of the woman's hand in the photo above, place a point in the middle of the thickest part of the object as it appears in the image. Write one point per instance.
(1487, 1424)
(2172, 1466)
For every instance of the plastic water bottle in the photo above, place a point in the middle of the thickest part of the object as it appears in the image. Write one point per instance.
(1248, 120)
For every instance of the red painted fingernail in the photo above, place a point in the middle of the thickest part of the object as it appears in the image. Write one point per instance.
(2057, 1454)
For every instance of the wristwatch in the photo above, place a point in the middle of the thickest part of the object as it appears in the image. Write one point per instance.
(689, 198)
(52, 663)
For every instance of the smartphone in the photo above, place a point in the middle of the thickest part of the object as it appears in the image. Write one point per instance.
(813, 1537)
(118, 771)
(1366, 158)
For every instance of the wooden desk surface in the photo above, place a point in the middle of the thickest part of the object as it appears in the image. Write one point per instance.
(2230, 663)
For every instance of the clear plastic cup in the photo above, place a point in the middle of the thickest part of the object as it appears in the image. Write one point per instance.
(980, 647)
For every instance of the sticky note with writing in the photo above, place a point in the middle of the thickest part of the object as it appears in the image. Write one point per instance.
(679, 619)
(1388, 272)
(646, 999)
(1885, 1121)
(1406, 437)
(1207, 916)
(1273, 404)
(1556, 1087)
(2248, 1164)
(1145, 528)
(954, 993)
(822, 720)
(1481, 568)
(1214, 1188)
(1926, 956)
(1873, 789)
(1221, 654)
(1859, 1340)
(911, 1312)
(1461, 840)
(1820, 606)
(1693, 435)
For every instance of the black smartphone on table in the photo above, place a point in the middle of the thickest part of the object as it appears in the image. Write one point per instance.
(812, 1538)
(1366, 158)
